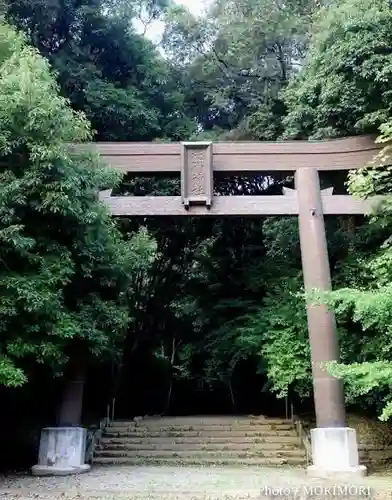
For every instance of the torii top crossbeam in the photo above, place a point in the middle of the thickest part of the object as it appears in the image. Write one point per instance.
(198, 161)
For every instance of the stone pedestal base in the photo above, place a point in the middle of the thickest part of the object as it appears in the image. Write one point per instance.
(335, 453)
(42, 470)
(61, 452)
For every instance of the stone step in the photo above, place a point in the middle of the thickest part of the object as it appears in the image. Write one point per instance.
(189, 421)
(375, 455)
(225, 434)
(200, 462)
(275, 440)
(201, 440)
(376, 447)
(204, 428)
(199, 446)
(186, 453)
(213, 426)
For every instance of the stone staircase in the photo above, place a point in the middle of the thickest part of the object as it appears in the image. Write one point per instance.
(256, 441)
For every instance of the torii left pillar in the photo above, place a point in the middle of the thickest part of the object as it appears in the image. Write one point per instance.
(334, 445)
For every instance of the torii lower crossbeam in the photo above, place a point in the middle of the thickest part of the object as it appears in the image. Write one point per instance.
(133, 206)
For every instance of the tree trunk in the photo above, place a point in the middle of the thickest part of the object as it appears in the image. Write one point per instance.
(170, 389)
(71, 406)
(351, 225)
(232, 398)
(169, 395)
(348, 224)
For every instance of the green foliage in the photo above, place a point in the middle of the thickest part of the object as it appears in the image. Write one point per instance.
(10, 375)
(207, 295)
(285, 347)
(344, 89)
(108, 71)
(233, 80)
(65, 269)
(275, 334)
(370, 309)
(364, 378)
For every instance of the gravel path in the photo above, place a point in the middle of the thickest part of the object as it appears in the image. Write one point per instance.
(188, 483)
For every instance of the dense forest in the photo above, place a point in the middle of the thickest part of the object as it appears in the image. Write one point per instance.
(196, 315)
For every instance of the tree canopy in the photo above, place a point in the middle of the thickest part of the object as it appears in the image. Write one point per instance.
(194, 300)
(344, 88)
(65, 267)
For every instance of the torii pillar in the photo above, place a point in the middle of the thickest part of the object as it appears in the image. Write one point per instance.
(334, 445)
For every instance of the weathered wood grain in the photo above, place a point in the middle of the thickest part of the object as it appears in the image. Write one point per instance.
(231, 205)
(339, 154)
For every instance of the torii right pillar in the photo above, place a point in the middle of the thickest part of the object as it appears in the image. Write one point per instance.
(334, 445)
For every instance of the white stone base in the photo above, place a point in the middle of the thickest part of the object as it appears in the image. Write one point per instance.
(61, 452)
(335, 453)
(42, 470)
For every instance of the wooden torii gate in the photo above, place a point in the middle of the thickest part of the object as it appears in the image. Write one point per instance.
(334, 446)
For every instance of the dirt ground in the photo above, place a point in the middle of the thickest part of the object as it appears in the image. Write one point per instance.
(193, 483)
